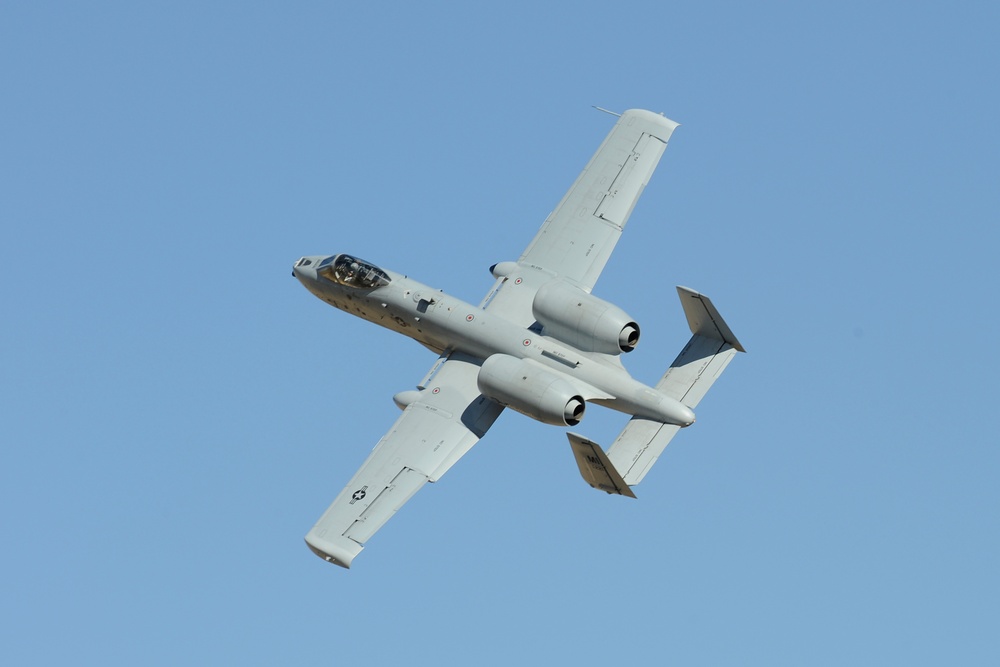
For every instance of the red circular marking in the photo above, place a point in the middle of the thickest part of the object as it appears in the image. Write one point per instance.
(436, 390)
(518, 281)
(526, 342)
(469, 318)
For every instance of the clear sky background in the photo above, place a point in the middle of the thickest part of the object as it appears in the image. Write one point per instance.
(177, 410)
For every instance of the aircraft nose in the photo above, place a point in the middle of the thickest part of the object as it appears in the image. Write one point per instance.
(304, 268)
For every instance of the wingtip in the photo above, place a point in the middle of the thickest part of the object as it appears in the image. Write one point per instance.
(658, 120)
(331, 552)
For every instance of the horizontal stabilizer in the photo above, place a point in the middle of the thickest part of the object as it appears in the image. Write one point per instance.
(595, 467)
(688, 379)
(638, 446)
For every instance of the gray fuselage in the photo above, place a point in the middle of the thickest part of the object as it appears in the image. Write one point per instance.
(444, 323)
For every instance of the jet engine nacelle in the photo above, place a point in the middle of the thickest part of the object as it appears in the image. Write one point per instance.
(531, 389)
(582, 320)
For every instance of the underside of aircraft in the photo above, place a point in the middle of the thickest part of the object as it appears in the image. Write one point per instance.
(539, 343)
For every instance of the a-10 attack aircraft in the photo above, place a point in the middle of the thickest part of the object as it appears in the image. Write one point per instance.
(539, 343)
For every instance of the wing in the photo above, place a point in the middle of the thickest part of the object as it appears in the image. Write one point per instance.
(576, 240)
(447, 418)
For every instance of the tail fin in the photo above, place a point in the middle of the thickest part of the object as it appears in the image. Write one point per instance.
(595, 467)
(688, 379)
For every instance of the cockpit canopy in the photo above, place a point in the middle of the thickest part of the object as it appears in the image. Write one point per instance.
(352, 272)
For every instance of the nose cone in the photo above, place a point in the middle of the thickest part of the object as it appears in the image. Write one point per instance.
(305, 268)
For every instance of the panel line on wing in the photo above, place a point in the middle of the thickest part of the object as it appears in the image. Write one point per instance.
(617, 204)
(402, 487)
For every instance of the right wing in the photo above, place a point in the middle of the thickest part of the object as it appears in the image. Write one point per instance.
(434, 431)
(576, 240)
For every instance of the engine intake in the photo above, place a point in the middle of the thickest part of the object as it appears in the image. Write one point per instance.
(582, 320)
(531, 389)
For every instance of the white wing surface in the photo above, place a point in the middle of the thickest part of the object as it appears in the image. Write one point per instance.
(447, 418)
(576, 240)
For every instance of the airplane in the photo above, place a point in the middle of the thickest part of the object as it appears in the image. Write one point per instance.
(539, 343)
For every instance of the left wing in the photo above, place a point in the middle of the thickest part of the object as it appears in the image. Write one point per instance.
(576, 240)
(448, 417)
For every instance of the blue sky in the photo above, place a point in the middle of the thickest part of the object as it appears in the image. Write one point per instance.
(178, 411)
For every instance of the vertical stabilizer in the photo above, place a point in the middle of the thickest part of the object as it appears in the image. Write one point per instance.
(595, 467)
